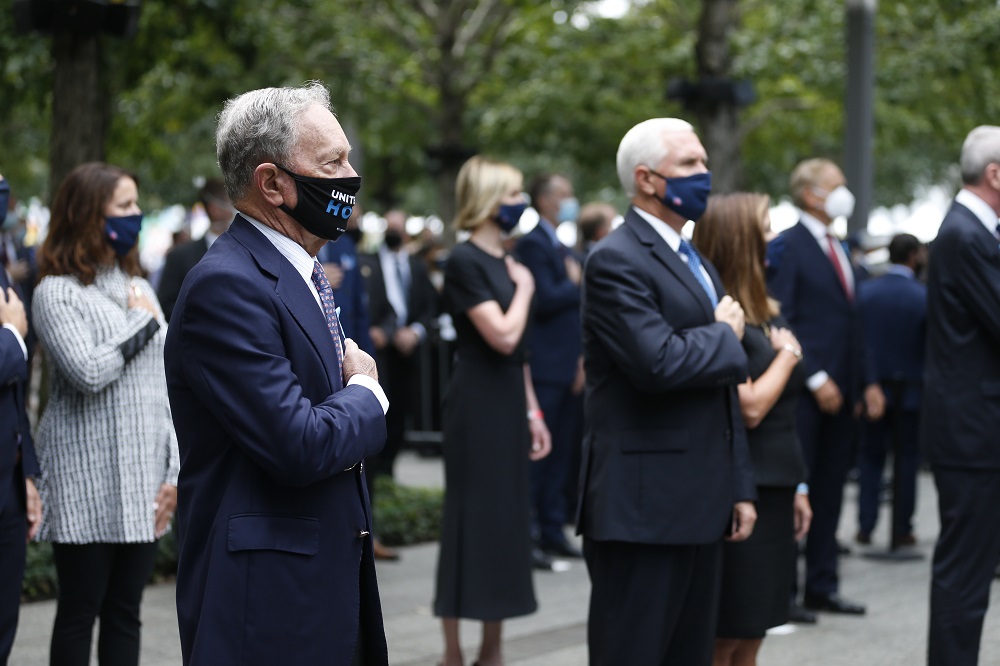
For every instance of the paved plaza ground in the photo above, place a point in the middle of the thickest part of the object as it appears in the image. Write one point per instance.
(892, 634)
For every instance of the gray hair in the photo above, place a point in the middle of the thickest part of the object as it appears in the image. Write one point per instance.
(981, 148)
(261, 126)
(643, 145)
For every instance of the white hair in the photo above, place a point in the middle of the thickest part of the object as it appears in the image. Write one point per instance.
(644, 145)
(261, 126)
(981, 148)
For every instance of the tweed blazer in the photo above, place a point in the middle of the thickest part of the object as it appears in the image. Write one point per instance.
(106, 442)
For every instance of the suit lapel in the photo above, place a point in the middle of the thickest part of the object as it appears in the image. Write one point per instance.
(291, 289)
(811, 245)
(671, 260)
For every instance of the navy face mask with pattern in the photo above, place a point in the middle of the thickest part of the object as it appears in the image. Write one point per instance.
(123, 232)
(687, 196)
(509, 215)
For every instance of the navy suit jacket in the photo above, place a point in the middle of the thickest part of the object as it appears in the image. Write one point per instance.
(272, 500)
(15, 433)
(553, 336)
(961, 408)
(665, 451)
(827, 323)
(894, 309)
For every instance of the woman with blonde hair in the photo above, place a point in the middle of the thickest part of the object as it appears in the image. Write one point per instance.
(492, 424)
(757, 573)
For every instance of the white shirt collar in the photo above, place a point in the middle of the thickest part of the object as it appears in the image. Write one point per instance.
(979, 208)
(815, 227)
(296, 255)
(672, 238)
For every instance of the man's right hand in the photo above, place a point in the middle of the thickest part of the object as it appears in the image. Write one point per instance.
(357, 362)
(829, 398)
(730, 312)
(12, 312)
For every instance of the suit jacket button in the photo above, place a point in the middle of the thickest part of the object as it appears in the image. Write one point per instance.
(362, 534)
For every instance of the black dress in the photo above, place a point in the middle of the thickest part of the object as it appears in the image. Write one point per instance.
(757, 573)
(484, 566)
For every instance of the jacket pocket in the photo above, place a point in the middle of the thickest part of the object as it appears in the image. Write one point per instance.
(262, 531)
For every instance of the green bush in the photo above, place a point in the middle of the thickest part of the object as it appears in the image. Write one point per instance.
(404, 515)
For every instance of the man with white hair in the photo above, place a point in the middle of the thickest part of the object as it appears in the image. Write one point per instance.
(961, 409)
(665, 473)
(274, 409)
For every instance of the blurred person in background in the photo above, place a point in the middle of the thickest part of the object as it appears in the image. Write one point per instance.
(182, 258)
(594, 224)
(106, 443)
(347, 278)
(402, 304)
(20, 505)
(811, 275)
(492, 423)
(555, 352)
(894, 307)
(757, 573)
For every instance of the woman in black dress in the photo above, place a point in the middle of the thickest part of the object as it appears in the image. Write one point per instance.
(492, 424)
(757, 573)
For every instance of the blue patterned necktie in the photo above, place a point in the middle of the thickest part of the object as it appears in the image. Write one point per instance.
(329, 307)
(694, 264)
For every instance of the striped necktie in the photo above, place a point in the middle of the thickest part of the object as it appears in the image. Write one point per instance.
(322, 284)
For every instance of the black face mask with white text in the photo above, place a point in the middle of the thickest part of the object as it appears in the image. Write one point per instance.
(324, 204)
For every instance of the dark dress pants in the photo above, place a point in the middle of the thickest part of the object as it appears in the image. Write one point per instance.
(652, 605)
(877, 443)
(549, 475)
(826, 446)
(103, 580)
(13, 529)
(965, 559)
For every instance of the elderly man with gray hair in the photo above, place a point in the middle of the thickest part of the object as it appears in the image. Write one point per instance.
(274, 409)
(961, 408)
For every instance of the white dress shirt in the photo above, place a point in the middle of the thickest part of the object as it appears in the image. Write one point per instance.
(979, 208)
(303, 264)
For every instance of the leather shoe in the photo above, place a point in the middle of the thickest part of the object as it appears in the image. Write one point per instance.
(539, 560)
(906, 540)
(833, 603)
(864, 538)
(800, 615)
(562, 549)
(383, 552)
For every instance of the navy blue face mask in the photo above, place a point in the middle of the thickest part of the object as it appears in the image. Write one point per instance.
(509, 215)
(687, 196)
(4, 199)
(123, 232)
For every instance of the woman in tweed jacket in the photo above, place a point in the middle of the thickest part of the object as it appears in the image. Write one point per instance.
(106, 444)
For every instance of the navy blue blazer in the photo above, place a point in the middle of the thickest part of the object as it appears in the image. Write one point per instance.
(272, 503)
(352, 294)
(665, 451)
(827, 323)
(553, 337)
(961, 407)
(894, 309)
(15, 433)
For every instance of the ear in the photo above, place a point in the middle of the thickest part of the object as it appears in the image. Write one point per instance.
(644, 181)
(993, 175)
(274, 189)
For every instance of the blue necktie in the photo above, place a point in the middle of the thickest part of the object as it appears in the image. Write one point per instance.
(694, 263)
(329, 307)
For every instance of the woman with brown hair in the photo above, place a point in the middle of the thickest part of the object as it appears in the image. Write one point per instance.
(492, 423)
(106, 444)
(757, 573)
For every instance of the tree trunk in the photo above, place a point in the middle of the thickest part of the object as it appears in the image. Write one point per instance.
(451, 130)
(718, 119)
(79, 105)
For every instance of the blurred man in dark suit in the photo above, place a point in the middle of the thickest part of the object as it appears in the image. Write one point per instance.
(555, 352)
(894, 308)
(183, 258)
(961, 410)
(813, 279)
(665, 471)
(593, 225)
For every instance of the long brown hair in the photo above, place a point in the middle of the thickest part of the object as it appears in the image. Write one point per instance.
(75, 244)
(731, 235)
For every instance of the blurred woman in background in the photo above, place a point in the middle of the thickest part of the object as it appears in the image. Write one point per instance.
(758, 573)
(106, 444)
(492, 424)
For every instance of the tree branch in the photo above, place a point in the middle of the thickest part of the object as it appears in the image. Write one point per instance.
(767, 109)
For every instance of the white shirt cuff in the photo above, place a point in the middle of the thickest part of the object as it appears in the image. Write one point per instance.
(817, 380)
(419, 329)
(20, 340)
(373, 386)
